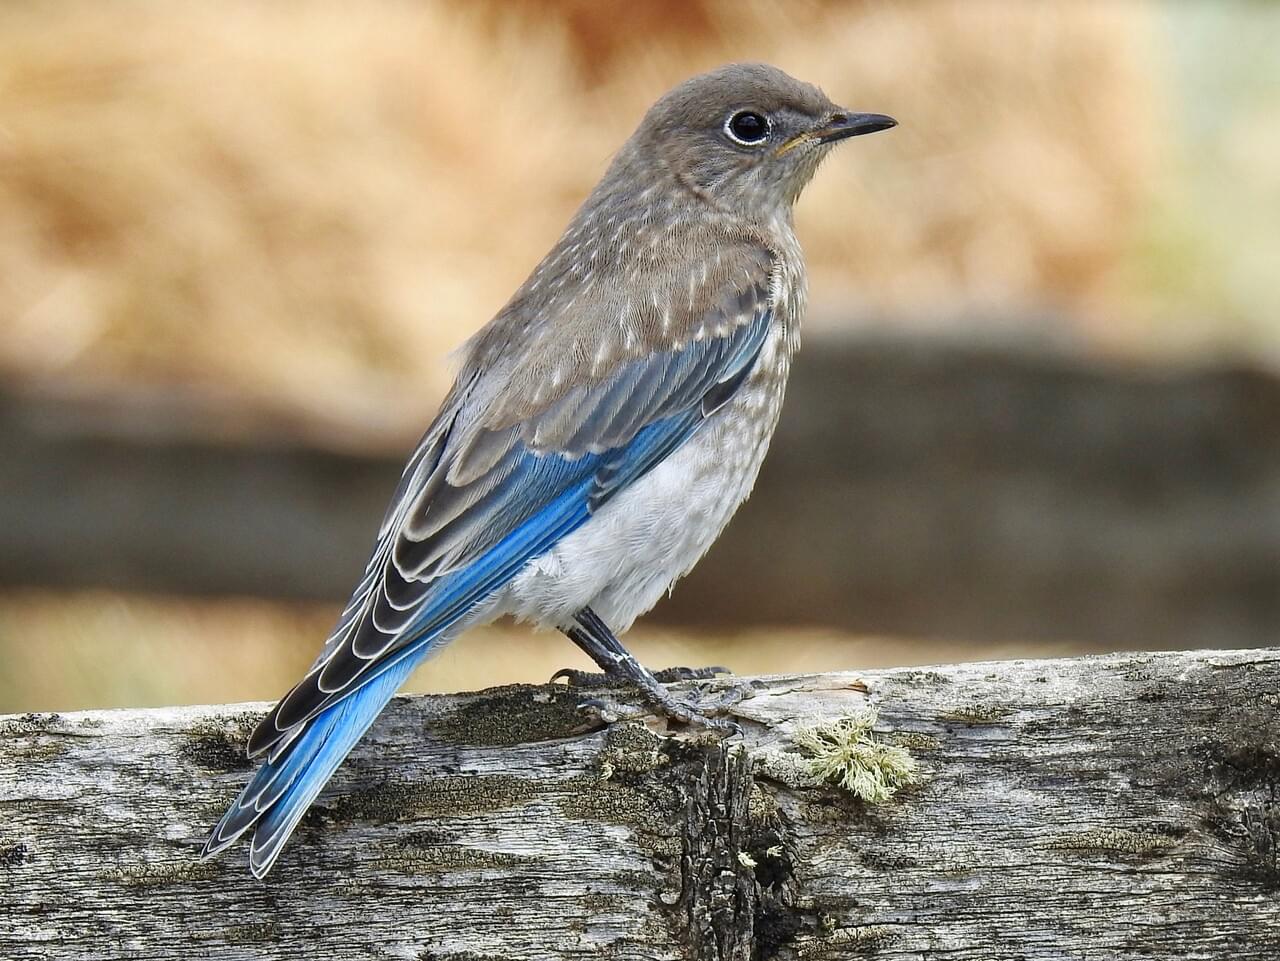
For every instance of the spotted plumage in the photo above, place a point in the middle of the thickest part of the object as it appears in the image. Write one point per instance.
(603, 428)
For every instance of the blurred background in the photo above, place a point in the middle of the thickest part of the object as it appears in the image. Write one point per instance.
(1038, 409)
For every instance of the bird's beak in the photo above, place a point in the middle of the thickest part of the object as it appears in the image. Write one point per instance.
(844, 124)
(840, 125)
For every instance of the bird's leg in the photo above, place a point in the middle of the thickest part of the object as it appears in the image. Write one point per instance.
(599, 643)
(667, 675)
(609, 677)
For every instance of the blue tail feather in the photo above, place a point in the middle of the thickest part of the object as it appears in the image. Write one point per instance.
(303, 770)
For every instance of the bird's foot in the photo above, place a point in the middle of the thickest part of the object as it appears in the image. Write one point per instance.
(701, 712)
(670, 675)
(576, 678)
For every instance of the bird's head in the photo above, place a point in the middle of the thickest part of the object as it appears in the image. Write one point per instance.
(747, 136)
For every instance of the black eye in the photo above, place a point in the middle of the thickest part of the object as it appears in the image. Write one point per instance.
(747, 127)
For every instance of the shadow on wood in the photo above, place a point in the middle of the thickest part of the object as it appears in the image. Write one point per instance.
(1106, 808)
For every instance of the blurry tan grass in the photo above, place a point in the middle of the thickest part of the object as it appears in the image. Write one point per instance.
(96, 649)
(308, 204)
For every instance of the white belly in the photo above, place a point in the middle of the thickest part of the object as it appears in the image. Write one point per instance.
(622, 560)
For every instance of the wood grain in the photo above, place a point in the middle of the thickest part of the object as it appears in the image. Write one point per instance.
(1116, 807)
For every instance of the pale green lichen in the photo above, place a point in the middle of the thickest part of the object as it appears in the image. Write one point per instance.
(846, 753)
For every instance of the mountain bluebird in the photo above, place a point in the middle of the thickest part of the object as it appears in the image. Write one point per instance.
(603, 428)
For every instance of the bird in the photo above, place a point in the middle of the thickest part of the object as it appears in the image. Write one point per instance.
(602, 429)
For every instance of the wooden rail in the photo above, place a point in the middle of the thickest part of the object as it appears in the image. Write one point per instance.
(1105, 808)
(917, 488)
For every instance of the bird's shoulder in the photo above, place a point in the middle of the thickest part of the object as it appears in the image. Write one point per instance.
(586, 312)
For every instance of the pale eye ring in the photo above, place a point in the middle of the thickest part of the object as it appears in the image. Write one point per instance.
(747, 127)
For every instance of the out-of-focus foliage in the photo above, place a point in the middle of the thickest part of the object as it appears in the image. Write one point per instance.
(308, 204)
(1208, 255)
(312, 203)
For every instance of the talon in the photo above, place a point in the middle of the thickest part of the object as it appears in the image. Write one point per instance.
(722, 725)
(577, 678)
(730, 727)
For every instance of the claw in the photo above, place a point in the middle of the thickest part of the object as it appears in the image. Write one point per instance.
(730, 727)
(577, 678)
(608, 712)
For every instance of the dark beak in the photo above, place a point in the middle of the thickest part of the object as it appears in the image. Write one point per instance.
(842, 125)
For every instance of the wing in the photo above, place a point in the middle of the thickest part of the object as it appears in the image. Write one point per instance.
(511, 465)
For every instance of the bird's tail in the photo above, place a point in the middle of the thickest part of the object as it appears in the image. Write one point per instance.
(283, 788)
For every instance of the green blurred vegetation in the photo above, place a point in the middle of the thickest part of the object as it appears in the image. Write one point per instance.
(1208, 251)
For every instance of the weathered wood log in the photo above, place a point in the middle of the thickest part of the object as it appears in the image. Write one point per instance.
(915, 487)
(1104, 808)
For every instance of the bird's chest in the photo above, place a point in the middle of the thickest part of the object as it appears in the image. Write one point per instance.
(628, 555)
(678, 510)
(790, 285)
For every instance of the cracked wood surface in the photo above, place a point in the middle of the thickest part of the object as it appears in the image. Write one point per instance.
(1103, 808)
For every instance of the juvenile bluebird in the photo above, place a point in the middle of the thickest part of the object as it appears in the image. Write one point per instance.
(603, 428)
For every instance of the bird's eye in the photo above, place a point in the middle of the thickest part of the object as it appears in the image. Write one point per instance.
(747, 127)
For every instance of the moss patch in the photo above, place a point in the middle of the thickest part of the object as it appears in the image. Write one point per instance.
(261, 932)
(516, 714)
(412, 858)
(12, 855)
(976, 714)
(1114, 841)
(451, 796)
(218, 744)
(161, 875)
(28, 724)
(631, 748)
